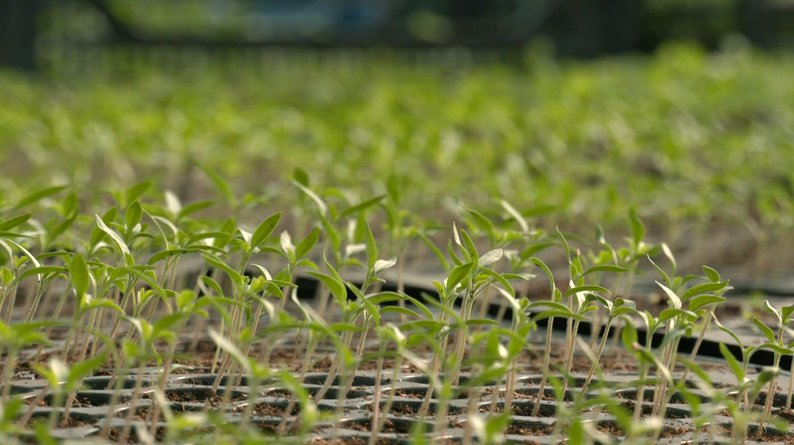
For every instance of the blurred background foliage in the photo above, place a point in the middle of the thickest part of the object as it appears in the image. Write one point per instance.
(581, 28)
(675, 110)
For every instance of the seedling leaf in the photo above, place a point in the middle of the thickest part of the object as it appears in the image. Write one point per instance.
(673, 298)
(78, 272)
(361, 206)
(637, 228)
(334, 283)
(381, 265)
(490, 257)
(700, 301)
(13, 222)
(305, 246)
(263, 231)
(766, 330)
(113, 236)
(39, 195)
(321, 205)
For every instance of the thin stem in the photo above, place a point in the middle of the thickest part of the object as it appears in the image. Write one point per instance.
(599, 352)
(546, 361)
(375, 420)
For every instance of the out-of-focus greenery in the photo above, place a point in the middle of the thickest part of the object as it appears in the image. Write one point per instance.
(660, 20)
(684, 135)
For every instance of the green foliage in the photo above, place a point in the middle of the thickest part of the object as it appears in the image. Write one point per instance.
(361, 185)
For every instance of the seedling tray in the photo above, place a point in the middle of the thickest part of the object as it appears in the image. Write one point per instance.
(349, 419)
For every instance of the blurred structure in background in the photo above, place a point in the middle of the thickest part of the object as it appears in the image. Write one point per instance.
(18, 33)
(577, 28)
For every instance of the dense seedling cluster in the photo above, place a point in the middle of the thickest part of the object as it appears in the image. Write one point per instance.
(701, 141)
(391, 253)
(289, 331)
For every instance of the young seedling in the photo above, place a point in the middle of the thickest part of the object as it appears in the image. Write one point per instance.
(555, 307)
(14, 338)
(778, 347)
(619, 309)
(64, 380)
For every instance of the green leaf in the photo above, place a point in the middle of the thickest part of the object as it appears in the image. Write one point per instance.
(786, 312)
(481, 322)
(564, 242)
(726, 330)
(264, 230)
(547, 304)
(331, 233)
(133, 215)
(136, 191)
(669, 255)
(433, 248)
(536, 247)
(556, 313)
(217, 263)
(194, 207)
(700, 301)
(360, 206)
(105, 303)
(500, 278)
(372, 249)
(12, 235)
(305, 246)
(230, 348)
(13, 222)
(381, 265)
(81, 370)
(704, 288)
(586, 288)
(668, 281)
(321, 205)
(712, 274)
(490, 257)
(772, 310)
(399, 310)
(576, 432)
(172, 203)
(334, 283)
(163, 254)
(79, 274)
(139, 272)
(221, 185)
(766, 330)
(670, 313)
(672, 297)
(113, 236)
(483, 223)
(300, 176)
(637, 228)
(604, 268)
(776, 348)
(522, 223)
(549, 275)
(469, 247)
(457, 275)
(39, 195)
(629, 337)
(42, 270)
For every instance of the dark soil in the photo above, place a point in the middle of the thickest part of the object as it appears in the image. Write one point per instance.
(339, 441)
(71, 422)
(143, 414)
(410, 394)
(675, 431)
(389, 426)
(198, 397)
(268, 409)
(534, 430)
